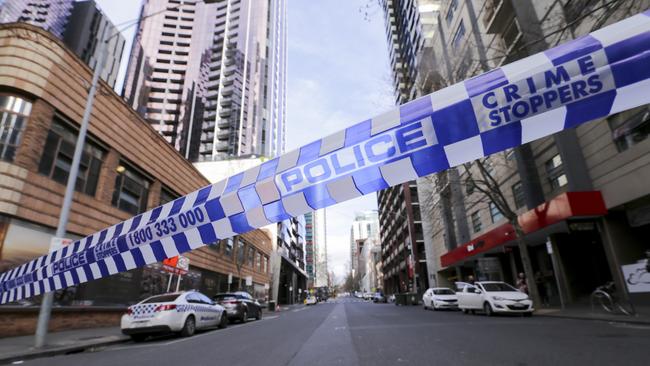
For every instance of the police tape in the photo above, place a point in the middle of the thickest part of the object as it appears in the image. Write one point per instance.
(605, 72)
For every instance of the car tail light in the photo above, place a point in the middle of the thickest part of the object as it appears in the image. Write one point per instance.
(165, 307)
(129, 311)
(231, 302)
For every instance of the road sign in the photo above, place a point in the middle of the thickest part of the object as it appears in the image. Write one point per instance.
(591, 77)
(59, 243)
(177, 265)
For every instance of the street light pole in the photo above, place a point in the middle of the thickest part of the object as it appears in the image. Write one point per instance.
(46, 303)
(48, 298)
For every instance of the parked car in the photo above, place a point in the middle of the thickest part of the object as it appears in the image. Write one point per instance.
(494, 297)
(440, 298)
(368, 295)
(379, 297)
(240, 305)
(179, 312)
(311, 300)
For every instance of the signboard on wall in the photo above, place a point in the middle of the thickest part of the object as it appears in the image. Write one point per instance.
(637, 277)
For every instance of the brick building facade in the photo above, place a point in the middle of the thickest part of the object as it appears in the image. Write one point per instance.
(127, 168)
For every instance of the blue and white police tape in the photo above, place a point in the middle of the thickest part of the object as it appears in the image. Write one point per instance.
(594, 76)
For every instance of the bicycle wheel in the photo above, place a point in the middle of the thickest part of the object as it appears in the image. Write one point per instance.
(604, 300)
(626, 308)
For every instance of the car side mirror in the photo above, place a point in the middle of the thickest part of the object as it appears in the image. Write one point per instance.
(478, 291)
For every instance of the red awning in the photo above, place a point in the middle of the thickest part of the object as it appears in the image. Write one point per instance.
(565, 206)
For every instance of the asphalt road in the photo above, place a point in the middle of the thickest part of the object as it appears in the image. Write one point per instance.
(352, 332)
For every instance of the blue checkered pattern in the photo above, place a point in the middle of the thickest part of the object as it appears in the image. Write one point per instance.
(143, 309)
(605, 72)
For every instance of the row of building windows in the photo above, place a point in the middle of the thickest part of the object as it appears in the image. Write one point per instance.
(246, 254)
(131, 187)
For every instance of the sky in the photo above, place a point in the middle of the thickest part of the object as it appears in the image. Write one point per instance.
(338, 75)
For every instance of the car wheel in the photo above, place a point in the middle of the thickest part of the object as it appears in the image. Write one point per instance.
(258, 316)
(138, 337)
(473, 312)
(244, 316)
(487, 308)
(189, 327)
(224, 321)
(433, 306)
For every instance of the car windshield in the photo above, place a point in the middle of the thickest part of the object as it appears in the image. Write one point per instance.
(161, 298)
(443, 291)
(498, 287)
(223, 297)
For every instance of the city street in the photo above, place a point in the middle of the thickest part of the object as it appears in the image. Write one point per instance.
(348, 331)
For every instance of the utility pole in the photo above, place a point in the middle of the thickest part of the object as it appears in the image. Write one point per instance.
(48, 298)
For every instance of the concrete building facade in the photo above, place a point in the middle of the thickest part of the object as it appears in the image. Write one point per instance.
(80, 24)
(211, 77)
(589, 179)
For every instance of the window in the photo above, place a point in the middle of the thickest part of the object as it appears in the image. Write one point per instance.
(167, 195)
(450, 13)
(58, 151)
(518, 195)
(216, 246)
(265, 264)
(131, 190)
(495, 213)
(555, 172)
(14, 112)
(458, 36)
(469, 187)
(630, 128)
(476, 222)
(228, 245)
(241, 246)
(258, 261)
(251, 256)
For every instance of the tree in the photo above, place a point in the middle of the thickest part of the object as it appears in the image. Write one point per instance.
(485, 182)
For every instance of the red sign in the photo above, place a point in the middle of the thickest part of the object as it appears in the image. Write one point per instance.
(176, 265)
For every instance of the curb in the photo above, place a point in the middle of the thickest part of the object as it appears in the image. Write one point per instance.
(32, 354)
(627, 320)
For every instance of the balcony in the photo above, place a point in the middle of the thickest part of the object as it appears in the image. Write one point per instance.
(223, 123)
(225, 113)
(223, 134)
(497, 15)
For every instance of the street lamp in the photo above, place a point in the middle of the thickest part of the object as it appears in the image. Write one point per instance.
(46, 303)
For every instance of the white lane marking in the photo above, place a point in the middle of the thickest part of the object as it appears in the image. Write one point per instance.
(297, 310)
(270, 317)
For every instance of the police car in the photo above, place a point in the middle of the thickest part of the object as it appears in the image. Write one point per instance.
(179, 312)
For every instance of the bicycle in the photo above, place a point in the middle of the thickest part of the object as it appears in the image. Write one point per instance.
(606, 297)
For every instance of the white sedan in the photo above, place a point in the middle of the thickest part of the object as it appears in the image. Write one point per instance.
(179, 312)
(494, 297)
(440, 298)
(311, 300)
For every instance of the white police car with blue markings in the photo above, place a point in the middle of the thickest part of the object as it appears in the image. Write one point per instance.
(179, 312)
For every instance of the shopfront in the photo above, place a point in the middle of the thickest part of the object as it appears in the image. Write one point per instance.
(563, 237)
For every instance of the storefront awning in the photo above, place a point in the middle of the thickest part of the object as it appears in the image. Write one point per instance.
(565, 206)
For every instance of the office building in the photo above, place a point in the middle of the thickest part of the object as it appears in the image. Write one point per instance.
(81, 25)
(211, 78)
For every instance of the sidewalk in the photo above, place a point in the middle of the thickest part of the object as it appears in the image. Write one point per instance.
(586, 313)
(22, 348)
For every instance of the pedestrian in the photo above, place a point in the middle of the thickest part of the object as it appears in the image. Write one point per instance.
(470, 279)
(522, 285)
(540, 282)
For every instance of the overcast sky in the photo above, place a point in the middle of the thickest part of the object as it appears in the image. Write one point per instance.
(338, 75)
